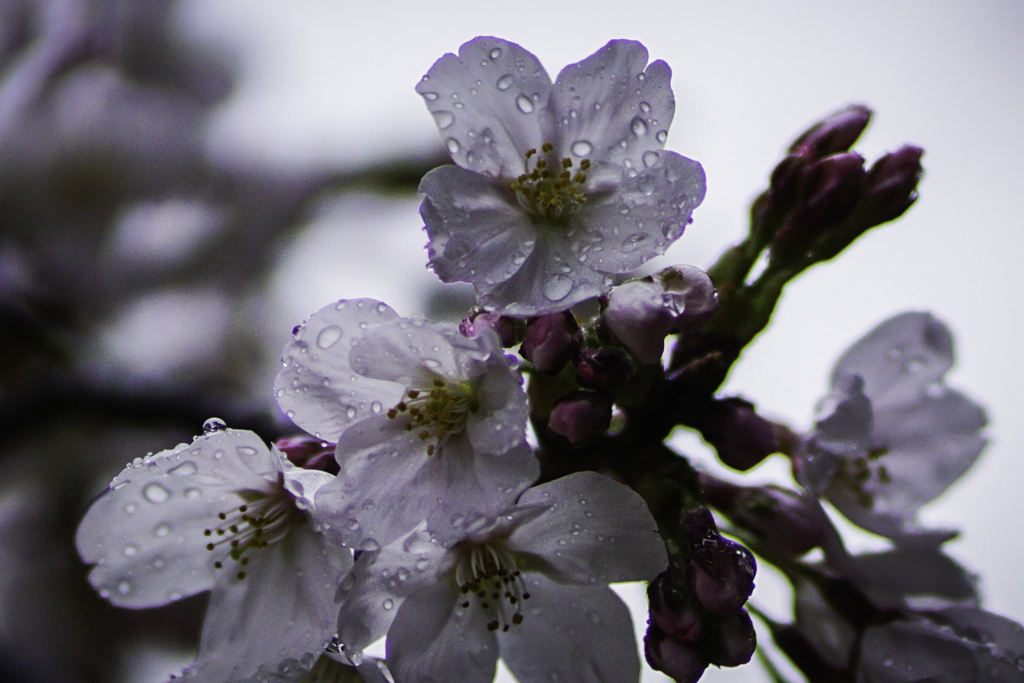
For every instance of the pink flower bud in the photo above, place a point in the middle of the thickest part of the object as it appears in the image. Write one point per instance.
(835, 133)
(606, 370)
(730, 640)
(741, 437)
(580, 415)
(551, 341)
(679, 660)
(479, 320)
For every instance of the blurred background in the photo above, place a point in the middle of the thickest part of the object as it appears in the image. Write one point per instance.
(182, 182)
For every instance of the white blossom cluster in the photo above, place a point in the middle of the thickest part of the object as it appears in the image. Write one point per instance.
(411, 508)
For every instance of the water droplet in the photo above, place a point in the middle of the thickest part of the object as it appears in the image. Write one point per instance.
(525, 104)
(158, 563)
(124, 588)
(246, 450)
(557, 288)
(422, 564)
(156, 493)
(582, 148)
(444, 119)
(185, 469)
(130, 551)
(887, 663)
(388, 604)
(645, 107)
(638, 127)
(431, 363)
(402, 574)
(430, 96)
(634, 241)
(214, 424)
(519, 258)
(162, 530)
(328, 337)
(369, 545)
(505, 82)
(662, 136)
(376, 406)
(650, 158)
(453, 146)
(130, 508)
(350, 412)
(495, 53)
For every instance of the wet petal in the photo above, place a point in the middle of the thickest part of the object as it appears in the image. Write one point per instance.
(145, 534)
(593, 624)
(487, 104)
(317, 387)
(499, 423)
(477, 233)
(283, 609)
(596, 530)
(434, 639)
(412, 353)
(611, 109)
(922, 578)
(641, 217)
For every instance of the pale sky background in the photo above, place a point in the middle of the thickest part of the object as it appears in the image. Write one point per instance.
(330, 83)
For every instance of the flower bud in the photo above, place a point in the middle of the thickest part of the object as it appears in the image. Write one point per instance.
(605, 370)
(551, 341)
(891, 185)
(309, 453)
(835, 133)
(670, 609)
(730, 640)
(721, 571)
(784, 521)
(740, 436)
(479, 320)
(580, 415)
(640, 313)
(679, 660)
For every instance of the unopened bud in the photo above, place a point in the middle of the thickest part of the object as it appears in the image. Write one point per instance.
(672, 608)
(580, 415)
(309, 453)
(730, 640)
(835, 133)
(741, 437)
(679, 660)
(891, 185)
(479, 320)
(551, 341)
(605, 370)
(722, 571)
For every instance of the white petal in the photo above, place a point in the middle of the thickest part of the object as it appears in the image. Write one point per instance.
(899, 359)
(487, 103)
(476, 486)
(317, 388)
(146, 533)
(283, 609)
(571, 634)
(385, 487)
(611, 104)
(919, 577)
(434, 639)
(380, 581)
(551, 279)
(642, 216)
(477, 232)
(499, 423)
(412, 353)
(913, 651)
(596, 531)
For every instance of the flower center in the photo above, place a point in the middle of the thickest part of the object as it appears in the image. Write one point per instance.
(551, 194)
(436, 412)
(258, 524)
(486, 573)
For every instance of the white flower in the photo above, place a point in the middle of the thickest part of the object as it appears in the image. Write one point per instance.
(530, 586)
(222, 513)
(429, 425)
(558, 186)
(891, 436)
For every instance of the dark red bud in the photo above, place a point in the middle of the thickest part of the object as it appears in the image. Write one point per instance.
(551, 341)
(741, 437)
(580, 415)
(835, 133)
(606, 370)
(674, 614)
(679, 660)
(722, 573)
(891, 185)
(730, 640)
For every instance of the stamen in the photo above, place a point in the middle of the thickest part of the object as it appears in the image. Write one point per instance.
(485, 567)
(552, 197)
(271, 518)
(434, 413)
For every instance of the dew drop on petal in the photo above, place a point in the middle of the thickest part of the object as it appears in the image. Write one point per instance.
(350, 412)
(124, 587)
(156, 493)
(638, 127)
(525, 104)
(453, 147)
(130, 508)
(246, 450)
(662, 136)
(582, 148)
(505, 82)
(376, 406)
(185, 469)
(130, 551)
(650, 158)
(162, 530)
(369, 545)
(328, 337)
(214, 424)
(519, 258)
(633, 242)
(388, 604)
(495, 53)
(557, 288)
(158, 563)
(645, 107)
(444, 119)
(430, 96)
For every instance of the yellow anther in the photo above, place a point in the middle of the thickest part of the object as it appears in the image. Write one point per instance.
(547, 147)
(530, 153)
(567, 163)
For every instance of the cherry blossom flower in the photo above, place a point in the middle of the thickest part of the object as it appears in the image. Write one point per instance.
(429, 424)
(228, 514)
(530, 586)
(891, 436)
(557, 186)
